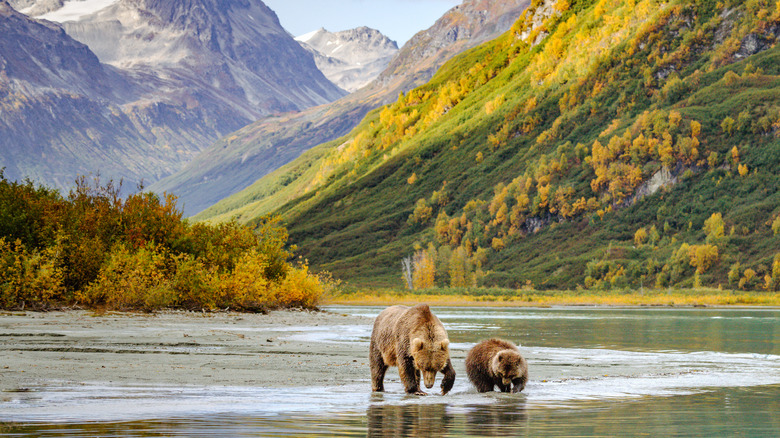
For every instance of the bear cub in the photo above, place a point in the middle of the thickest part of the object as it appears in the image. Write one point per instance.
(414, 340)
(495, 362)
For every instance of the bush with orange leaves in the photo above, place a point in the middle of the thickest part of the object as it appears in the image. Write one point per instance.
(98, 250)
(28, 278)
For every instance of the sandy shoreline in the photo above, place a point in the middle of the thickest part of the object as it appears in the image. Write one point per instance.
(177, 349)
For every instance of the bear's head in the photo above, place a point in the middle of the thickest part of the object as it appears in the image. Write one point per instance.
(429, 357)
(506, 365)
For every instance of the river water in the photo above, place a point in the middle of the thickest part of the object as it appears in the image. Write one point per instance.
(593, 372)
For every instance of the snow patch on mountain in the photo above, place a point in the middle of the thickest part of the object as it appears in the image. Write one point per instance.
(73, 10)
(307, 36)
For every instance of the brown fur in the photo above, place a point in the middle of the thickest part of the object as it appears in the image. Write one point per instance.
(414, 340)
(495, 362)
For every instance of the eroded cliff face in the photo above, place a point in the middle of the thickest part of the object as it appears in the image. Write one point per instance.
(137, 88)
(41, 54)
(54, 95)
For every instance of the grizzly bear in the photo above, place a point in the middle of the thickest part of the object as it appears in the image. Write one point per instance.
(495, 362)
(414, 340)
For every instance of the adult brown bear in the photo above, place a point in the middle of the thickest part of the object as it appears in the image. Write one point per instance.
(495, 362)
(414, 340)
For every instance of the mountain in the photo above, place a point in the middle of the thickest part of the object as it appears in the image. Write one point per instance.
(600, 144)
(352, 58)
(55, 93)
(465, 26)
(238, 160)
(235, 51)
(173, 76)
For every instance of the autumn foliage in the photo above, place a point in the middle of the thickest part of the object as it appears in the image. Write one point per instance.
(96, 249)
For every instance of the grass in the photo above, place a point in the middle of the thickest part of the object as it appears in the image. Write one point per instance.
(536, 298)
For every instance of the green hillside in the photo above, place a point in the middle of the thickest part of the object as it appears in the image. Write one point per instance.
(598, 144)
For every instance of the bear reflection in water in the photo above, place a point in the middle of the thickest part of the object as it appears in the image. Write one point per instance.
(498, 419)
(408, 420)
(503, 418)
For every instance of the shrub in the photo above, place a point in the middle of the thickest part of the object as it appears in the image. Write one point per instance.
(271, 240)
(219, 246)
(604, 274)
(422, 212)
(132, 279)
(702, 257)
(714, 227)
(246, 286)
(28, 279)
(640, 236)
(734, 273)
(28, 213)
(194, 284)
(299, 288)
(81, 259)
(95, 248)
(776, 267)
(145, 218)
(748, 279)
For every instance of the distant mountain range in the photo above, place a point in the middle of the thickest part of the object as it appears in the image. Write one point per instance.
(134, 89)
(351, 58)
(239, 159)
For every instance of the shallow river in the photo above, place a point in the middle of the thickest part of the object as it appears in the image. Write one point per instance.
(593, 372)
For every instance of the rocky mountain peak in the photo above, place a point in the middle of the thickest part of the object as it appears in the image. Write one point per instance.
(350, 58)
(362, 38)
(212, 21)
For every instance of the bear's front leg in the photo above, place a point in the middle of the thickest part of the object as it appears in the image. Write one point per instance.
(409, 376)
(449, 378)
(518, 384)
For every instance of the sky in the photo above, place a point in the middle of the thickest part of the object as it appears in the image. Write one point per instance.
(399, 20)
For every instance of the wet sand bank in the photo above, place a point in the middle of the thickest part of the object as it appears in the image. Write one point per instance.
(179, 349)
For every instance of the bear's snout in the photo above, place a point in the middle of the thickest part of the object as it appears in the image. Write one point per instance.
(429, 377)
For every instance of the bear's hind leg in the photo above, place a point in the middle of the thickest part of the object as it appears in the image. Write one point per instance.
(378, 369)
(483, 384)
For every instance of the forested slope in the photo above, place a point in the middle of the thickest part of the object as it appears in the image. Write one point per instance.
(597, 144)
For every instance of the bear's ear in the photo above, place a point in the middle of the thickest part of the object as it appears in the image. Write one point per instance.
(445, 343)
(417, 344)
